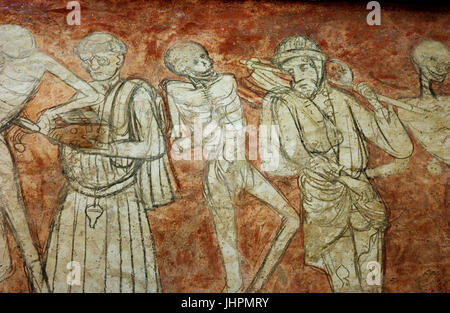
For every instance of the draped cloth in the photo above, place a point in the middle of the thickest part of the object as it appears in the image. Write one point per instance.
(6, 164)
(100, 234)
(320, 140)
(155, 179)
(5, 257)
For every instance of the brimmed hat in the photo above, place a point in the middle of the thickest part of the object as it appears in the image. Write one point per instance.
(296, 46)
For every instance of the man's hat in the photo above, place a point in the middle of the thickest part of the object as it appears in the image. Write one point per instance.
(297, 46)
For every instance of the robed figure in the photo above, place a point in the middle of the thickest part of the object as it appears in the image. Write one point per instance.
(100, 235)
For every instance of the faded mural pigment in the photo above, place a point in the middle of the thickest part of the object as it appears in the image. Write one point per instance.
(223, 146)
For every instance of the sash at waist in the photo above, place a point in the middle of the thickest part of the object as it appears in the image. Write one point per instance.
(105, 190)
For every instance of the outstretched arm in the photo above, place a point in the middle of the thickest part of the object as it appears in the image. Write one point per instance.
(89, 95)
(175, 119)
(395, 167)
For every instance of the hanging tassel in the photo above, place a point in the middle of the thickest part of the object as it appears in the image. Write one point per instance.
(93, 213)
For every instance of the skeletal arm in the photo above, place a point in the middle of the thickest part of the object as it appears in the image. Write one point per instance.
(395, 167)
(91, 96)
(175, 119)
(382, 126)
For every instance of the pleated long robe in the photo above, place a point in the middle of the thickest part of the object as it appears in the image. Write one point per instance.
(111, 248)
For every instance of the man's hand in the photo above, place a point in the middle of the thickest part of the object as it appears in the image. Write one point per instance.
(371, 173)
(181, 144)
(361, 188)
(325, 167)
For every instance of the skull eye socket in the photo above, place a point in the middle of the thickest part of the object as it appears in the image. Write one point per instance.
(303, 67)
(102, 61)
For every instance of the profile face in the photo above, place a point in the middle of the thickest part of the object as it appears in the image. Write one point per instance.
(435, 68)
(102, 65)
(306, 73)
(198, 63)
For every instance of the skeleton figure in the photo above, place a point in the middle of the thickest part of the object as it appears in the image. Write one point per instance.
(431, 129)
(210, 98)
(322, 137)
(101, 223)
(21, 69)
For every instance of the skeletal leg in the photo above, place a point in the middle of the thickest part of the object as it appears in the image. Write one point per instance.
(14, 211)
(225, 225)
(219, 192)
(290, 222)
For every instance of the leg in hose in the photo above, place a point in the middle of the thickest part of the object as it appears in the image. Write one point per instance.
(340, 266)
(290, 222)
(369, 247)
(14, 212)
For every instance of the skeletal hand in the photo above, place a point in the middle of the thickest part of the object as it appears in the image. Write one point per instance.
(367, 92)
(251, 62)
(46, 121)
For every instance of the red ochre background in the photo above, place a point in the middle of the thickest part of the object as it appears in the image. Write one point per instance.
(417, 242)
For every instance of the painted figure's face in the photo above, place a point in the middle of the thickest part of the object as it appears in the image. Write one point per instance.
(102, 65)
(198, 63)
(435, 68)
(307, 75)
